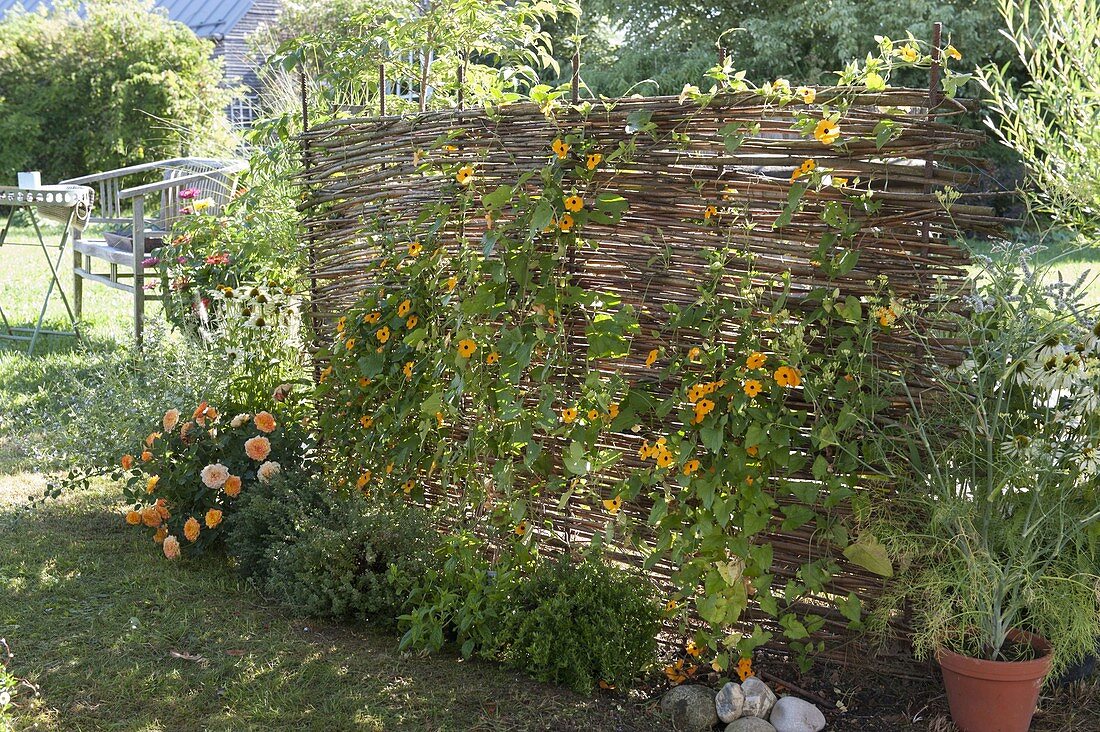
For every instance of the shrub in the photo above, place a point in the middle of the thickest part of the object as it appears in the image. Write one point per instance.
(580, 623)
(126, 85)
(328, 553)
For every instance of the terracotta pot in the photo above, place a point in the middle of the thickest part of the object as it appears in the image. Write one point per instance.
(995, 696)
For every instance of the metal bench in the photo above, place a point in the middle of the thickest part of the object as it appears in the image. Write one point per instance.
(118, 205)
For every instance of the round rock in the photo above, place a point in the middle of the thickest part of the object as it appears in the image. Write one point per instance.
(749, 724)
(691, 708)
(730, 702)
(759, 699)
(791, 714)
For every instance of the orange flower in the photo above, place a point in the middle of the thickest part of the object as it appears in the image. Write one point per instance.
(521, 528)
(127, 462)
(744, 668)
(146, 456)
(213, 518)
(752, 450)
(613, 411)
(133, 518)
(694, 353)
(171, 419)
(613, 505)
(709, 212)
(191, 529)
(753, 387)
(161, 535)
(691, 466)
(363, 480)
(404, 308)
(151, 517)
(787, 376)
(492, 358)
(383, 334)
(466, 347)
(755, 360)
(561, 148)
(408, 486)
(593, 415)
(367, 421)
(593, 160)
(257, 448)
(232, 486)
(565, 223)
(465, 174)
(652, 357)
(407, 369)
(574, 203)
(411, 322)
(415, 248)
(568, 414)
(264, 422)
(827, 132)
(153, 437)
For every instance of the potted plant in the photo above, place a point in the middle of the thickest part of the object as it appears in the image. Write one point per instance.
(998, 523)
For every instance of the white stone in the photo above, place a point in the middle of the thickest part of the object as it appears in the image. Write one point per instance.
(691, 708)
(759, 699)
(730, 702)
(791, 714)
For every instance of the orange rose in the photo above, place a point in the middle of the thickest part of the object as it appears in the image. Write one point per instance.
(257, 448)
(191, 529)
(213, 518)
(265, 422)
(150, 516)
(133, 518)
(232, 486)
(161, 535)
(127, 462)
(146, 456)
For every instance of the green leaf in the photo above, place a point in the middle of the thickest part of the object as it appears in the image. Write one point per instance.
(850, 607)
(499, 198)
(639, 121)
(868, 553)
(575, 460)
(432, 404)
(542, 216)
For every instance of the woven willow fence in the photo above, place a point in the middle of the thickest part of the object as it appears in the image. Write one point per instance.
(363, 178)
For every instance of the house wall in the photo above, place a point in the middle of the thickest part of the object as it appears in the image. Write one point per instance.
(240, 62)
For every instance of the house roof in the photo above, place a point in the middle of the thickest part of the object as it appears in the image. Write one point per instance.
(207, 18)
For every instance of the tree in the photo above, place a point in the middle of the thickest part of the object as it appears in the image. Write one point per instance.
(111, 84)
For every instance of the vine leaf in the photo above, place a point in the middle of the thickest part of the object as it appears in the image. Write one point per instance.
(870, 554)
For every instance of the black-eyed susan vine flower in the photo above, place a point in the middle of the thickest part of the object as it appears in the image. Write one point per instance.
(788, 376)
(752, 387)
(521, 528)
(492, 358)
(826, 132)
(382, 334)
(404, 308)
(561, 148)
(349, 344)
(652, 357)
(710, 212)
(613, 411)
(744, 668)
(367, 421)
(806, 94)
(613, 504)
(372, 318)
(573, 203)
(691, 466)
(465, 174)
(569, 415)
(452, 282)
(412, 322)
(407, 369)
(362, 481)
(756, 360)
(694, 353)
(466, 347)
(593, 161)
(408, 486)
(693, 649)
(566, 222)
(593, 415)
(415, 248)
(806, 168)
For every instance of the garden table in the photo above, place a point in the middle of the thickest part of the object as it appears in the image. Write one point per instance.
(69, 205)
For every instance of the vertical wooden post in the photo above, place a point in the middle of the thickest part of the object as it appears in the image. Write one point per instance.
(721, 61)
(139, 270)
(382, 89)
(933, 101)
(311, 249)
(577, 74)
(461, 81)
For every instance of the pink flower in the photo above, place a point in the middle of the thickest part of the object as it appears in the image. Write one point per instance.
(215, 475)
(189, 193)
(150, 262)
(171, 547)
(181, 260)
(222, 258)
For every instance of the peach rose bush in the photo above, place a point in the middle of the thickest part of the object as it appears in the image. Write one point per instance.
(189, 472)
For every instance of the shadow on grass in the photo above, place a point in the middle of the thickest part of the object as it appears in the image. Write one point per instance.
(117, 638)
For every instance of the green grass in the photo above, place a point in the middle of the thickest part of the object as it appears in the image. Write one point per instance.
(115, 638)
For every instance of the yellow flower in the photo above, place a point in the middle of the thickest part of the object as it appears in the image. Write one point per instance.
(807, 166)
(408, 369)
(664, 457)
(411, 322)
(561, 148)
(415, 248)
(753, 387)
(363, 479)
(808, 95)
(693, 650)
(952, 52)
(694, 353)
(372, 318)
(613, 505)
(651, 358)
(691, 466)
(839, 182)
(568, 414)
(565, 223)
(404, 308)
(613, 411)
(133, 518)
(593, 415)
(367, 421)
(451, 283)
(826, 132)
(574, 203)
(593, 160)
(213, 518)
(191, 529)
(341, 324)
(521, 528)
(755, 360)
(492, 358)
(909, 53)
(886, 317)
(703, 407)
(389, 468)
(744, 668)
(408, 486)
(383, 334)
(151, 484)
(466, 347)
(465, 174)
(709, 212)
(349, 345)
(787, 376)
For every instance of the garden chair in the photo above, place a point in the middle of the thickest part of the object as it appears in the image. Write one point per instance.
(122, 202)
